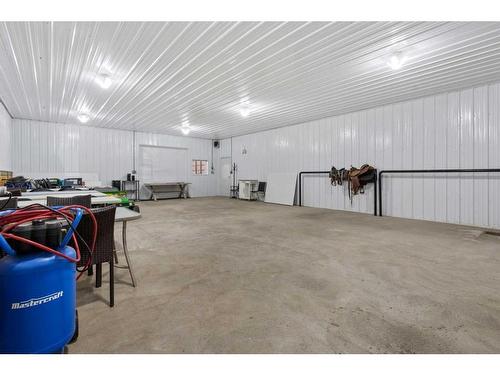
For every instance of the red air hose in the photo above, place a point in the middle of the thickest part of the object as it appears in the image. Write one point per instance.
(40, 212)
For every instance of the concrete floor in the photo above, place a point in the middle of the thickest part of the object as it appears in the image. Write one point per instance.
(223, 276)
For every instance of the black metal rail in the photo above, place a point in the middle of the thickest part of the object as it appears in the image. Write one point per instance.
(328, 172)
(419, 171)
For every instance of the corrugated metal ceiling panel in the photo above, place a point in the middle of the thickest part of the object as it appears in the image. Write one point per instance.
(290, 72)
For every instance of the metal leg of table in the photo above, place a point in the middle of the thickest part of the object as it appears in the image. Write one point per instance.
(115, 254)
(125, 251)
(127, 258)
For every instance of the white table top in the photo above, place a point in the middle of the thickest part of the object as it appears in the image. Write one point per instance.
(105, 199)
(63, 193)
(126, 214)
(166, 183)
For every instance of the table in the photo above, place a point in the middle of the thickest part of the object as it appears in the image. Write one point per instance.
(65, 193)
(104, 199)
(168, 187)
(123, 215)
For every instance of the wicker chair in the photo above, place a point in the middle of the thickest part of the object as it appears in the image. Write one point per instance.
(8, 204)
(104, 247)
(82, 200)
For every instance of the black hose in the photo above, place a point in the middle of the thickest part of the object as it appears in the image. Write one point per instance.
(7, 201)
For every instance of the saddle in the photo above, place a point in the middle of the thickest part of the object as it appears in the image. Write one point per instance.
(337, 176)
(359, 177)
(356, 178)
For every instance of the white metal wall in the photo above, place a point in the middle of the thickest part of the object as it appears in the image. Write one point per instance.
(50, 147)
(5, 139)
(452, 130)
(196, 149)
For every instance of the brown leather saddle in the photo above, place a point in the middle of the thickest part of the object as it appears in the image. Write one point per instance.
(359, 177)
(356, 178)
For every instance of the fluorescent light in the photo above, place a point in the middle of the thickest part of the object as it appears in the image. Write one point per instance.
(104, 81)
(83, 118)
(396, 61)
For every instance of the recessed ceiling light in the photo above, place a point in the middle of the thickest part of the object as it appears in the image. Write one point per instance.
(83, 118)
(396, 60)
(104, 80)
(245, 112)
(185, 128)
(245, 108)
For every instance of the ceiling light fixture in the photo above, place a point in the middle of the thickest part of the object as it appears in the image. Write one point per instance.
(104, 80)
(185, 128)
(245, 108)
(83, 118)
(396, 60)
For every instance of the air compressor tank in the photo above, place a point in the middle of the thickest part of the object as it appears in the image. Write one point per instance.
(37, 302)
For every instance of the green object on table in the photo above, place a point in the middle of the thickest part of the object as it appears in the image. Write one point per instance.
(125, 201)
(122, 195)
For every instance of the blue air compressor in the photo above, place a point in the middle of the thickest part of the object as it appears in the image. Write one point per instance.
(37, 279)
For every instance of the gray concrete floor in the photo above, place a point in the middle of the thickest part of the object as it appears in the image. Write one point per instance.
(223, 276)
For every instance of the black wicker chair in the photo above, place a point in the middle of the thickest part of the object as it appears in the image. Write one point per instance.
(104, 247)
(81, 200)
(8, 203)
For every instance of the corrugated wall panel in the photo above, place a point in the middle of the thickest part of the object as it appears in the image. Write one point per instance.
(451, 130)
(453, 158)
(494, 154)
(40, 147)
(5, 139)
(466, 159)
(44, 147)
(196, 149)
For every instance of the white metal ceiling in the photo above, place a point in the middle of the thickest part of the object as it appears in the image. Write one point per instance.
(290, 72)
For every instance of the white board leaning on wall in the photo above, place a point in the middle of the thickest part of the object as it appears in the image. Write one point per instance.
(281, 188)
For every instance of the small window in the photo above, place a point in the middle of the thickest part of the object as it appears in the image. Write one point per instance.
(200, 167)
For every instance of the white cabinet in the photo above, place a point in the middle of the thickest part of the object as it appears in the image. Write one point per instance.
(247, 189)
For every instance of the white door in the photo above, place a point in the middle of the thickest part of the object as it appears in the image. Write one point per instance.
(225, 176)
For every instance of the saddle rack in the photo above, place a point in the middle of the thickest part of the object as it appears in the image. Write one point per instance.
(375, 200)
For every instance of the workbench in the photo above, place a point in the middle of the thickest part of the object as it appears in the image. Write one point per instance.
(181, 189)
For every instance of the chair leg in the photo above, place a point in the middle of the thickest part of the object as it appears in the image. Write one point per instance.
(111, 283)
(98, 275)
(90, 271)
